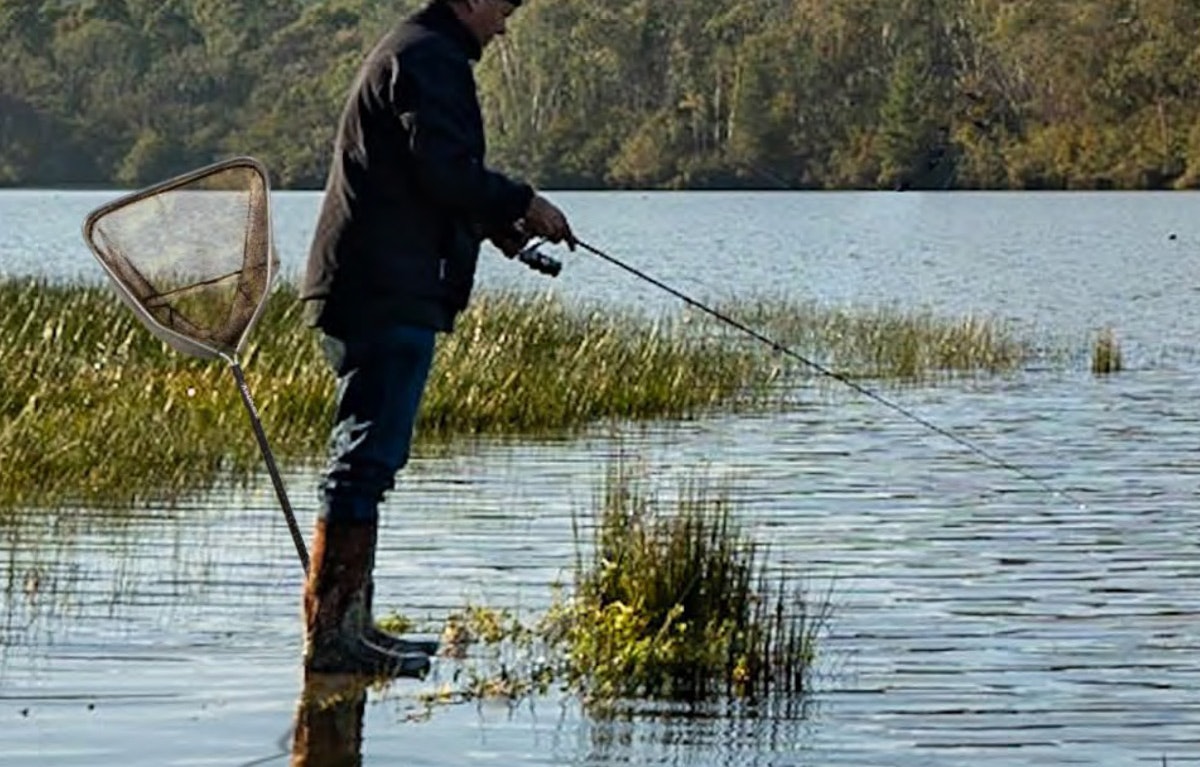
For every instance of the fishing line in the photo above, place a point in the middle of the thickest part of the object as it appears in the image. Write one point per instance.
(779, 348)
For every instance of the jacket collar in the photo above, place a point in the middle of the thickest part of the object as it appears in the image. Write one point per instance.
(439, 17)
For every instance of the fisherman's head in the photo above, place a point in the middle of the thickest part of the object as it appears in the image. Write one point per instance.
(484, 18)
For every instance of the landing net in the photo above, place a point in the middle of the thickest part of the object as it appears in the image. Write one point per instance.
(193, 259)
(192, 256)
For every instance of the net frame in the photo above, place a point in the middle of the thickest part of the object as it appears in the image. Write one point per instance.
(258, 246)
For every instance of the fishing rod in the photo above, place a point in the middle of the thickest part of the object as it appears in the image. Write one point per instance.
(535, 259)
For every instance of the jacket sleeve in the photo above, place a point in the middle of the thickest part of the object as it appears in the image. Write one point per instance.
(438, 110)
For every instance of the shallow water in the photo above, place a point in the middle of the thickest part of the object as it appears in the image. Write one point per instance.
(978, 618)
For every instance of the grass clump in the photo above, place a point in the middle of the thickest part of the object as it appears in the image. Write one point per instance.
(1106, 353)
(94, 410)
(532, 364)
(678, 605)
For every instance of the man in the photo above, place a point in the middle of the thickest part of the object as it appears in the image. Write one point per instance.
(408, 202)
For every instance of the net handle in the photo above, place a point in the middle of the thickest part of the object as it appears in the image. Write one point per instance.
(276, 480)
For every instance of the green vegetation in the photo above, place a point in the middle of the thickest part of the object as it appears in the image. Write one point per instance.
(679, 605)
(669, 603)
(886, 343)
(531, 364)
(585, 93)
(1106, 353)
(95, 410)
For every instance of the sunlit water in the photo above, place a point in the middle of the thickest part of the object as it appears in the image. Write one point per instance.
(979, 618)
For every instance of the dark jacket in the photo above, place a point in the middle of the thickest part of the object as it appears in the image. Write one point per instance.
(409, 198)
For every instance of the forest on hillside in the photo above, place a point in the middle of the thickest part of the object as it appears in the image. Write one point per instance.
(812, 94)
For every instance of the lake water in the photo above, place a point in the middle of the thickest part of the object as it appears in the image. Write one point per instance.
(978, 619)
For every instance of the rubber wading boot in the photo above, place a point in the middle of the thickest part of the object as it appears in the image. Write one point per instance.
(390, 642)
(336, 608)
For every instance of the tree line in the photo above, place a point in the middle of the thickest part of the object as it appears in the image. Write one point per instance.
(1045, 94)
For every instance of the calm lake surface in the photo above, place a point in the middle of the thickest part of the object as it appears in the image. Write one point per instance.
(978, 618)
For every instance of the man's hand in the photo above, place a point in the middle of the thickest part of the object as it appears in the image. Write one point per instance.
(510, 240)
(545, 220)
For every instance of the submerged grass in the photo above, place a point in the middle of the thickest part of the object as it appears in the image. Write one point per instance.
(94, 410)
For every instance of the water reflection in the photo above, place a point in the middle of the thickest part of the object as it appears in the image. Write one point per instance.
(329, 721)
(332, 713)
(730, 733)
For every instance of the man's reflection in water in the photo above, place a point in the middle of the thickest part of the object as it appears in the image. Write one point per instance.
(329, 721)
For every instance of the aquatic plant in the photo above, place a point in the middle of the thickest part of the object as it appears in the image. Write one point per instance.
(673, 603)
(532, 364)
(1106, 353)
(878, 342)
(94, 410)
(678, 604)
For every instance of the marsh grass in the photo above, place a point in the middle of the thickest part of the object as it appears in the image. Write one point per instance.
(678, 604)
(1106, 353)
(878, 342)
(94, 410)
(532, 364)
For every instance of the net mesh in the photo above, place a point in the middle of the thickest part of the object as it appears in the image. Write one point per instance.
(192, 256)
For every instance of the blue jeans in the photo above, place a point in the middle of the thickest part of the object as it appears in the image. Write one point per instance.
(381, 378)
